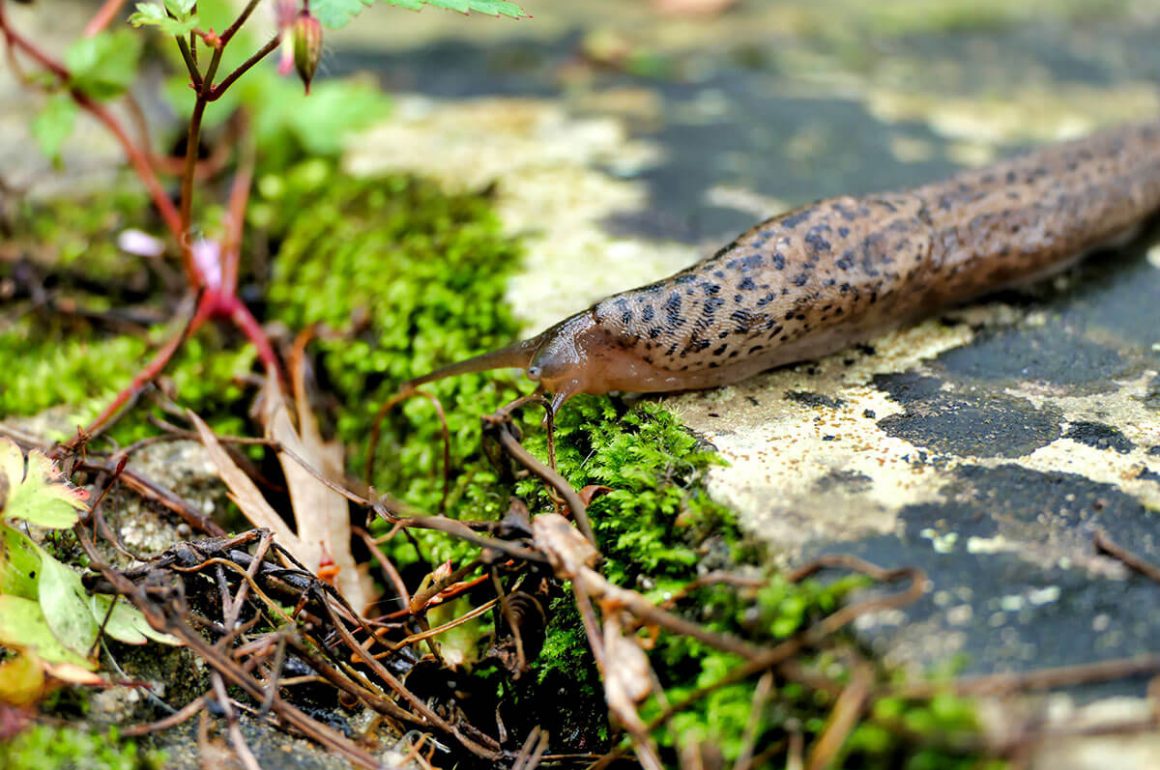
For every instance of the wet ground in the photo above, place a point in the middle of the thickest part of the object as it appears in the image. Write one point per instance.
(987, 446)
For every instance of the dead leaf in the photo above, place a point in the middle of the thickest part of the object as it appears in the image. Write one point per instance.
(321, 515)
(243, 491)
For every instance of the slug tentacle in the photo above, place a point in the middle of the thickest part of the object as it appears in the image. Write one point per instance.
(843, 270)
(518, 355)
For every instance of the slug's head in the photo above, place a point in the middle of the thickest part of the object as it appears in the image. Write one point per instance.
(562, 363)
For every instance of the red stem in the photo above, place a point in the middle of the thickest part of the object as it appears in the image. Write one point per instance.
(139, 161)
(236, 222)
(249, 326)
(152, 370)
(104, 17)
(144, 169)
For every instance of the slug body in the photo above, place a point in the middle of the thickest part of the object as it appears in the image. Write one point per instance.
(843, 270)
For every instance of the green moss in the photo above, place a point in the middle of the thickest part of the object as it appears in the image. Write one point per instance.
(41, 747)
(411, 278)
(86, 369)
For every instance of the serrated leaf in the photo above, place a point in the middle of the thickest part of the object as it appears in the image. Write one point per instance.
(104, 66)
(24, 627)
(182, 22)
(65, 605)
(338, 13)
(55, 124)
(39, 496)
(488, 7)
(19, 564)
(126, 623)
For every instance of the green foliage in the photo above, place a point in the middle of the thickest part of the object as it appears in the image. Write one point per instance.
(44, 608)
(316, 125)
(42, 747)
(172, 17)
(55, 124)
(105, 65)
(338, 13)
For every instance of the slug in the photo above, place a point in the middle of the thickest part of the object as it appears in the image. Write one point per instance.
(842, 270)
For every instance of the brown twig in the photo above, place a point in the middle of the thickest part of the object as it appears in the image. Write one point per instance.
(1105, 545)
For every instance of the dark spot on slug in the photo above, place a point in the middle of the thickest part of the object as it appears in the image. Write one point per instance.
(793, 220)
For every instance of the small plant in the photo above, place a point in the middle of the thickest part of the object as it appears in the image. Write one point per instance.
(46, 616)
(102, 67)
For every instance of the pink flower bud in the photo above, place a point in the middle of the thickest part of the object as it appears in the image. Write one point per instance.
(307, 46)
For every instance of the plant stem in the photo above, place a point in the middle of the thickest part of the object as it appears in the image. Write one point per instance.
(141, 165)
(103, 17)
(190, 61)
(238, 22)
(261, 53)
(154, 368)
(17, 41)
(236, 221)
(193, 140)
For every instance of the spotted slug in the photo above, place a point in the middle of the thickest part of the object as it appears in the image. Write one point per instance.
(842, 270)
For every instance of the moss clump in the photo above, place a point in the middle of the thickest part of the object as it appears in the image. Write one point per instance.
(411, 278)
(41, 747)
(86, 369)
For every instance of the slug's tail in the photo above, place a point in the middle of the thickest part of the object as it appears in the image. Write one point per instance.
(516, 356)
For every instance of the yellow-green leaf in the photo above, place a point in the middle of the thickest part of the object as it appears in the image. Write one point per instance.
(19, 563)
(55, 124)
(65, 605)
(23, 627)
(105, 65)
(40, 496)
(126, 623)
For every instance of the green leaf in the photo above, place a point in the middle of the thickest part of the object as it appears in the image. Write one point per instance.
(39, 496)
(126, 623)
(65, 605)
(323, 120)
(104, 66)
(338, 13)
(19, 563)
(176, 17)
(23, 626)
(54, 125)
